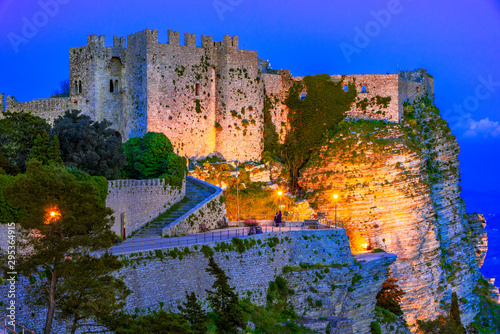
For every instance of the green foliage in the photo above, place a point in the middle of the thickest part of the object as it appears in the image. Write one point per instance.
(322, 109)
(271, 138)
(46, 151)
(207, 251)
(81, 226)
(455, 310)
(192, 311)
(6, 167)
(223, 301)
(390, 296)
(93, 147)
(378, 250)
(488, 317)
(152, 157)
(18, 132)
(375, 328)
(278, 316)
(99, 182)
(8, 213)
(440, 325)
(156, 322)
(88, 290)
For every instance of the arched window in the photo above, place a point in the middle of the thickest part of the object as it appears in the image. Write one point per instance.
(111, 86)
(363, 89)
(80, 87)
(117, 88)
(346, 88)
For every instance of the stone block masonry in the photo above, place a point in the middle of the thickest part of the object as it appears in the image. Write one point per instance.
(206, 98)
(136, 202)
(209, 212)
(163, 276)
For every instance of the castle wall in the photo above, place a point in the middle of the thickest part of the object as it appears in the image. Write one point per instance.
(366, 105)
(276, 87)
(48, 109)
(240, 99)
(140, 201)
(181, 94)
(164, 276)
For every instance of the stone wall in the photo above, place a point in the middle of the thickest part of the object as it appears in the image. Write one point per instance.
(164, 276)
(209, 212)
(140, 201)
(48, 109)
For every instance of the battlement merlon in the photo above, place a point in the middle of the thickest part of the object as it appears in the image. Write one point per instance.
(231, 42)
(95, 41)
(119, 42)
(173, 37)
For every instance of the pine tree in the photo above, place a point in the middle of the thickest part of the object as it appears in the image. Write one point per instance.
(194, 314)
(455, 311)
(390, 296)
(224, 301)
(54, 151)
(40, 148)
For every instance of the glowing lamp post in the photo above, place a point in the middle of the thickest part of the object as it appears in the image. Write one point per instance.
(335, 197)
(279, 195)
(53, 214)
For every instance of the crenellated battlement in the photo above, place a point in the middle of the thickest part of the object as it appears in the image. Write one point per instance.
(207, 99)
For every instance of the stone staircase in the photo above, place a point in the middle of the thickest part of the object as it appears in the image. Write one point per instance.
(194, 195)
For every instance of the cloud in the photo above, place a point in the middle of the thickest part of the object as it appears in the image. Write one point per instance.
(484, 127)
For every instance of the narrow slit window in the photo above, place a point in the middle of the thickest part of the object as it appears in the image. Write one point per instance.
(363, 89)
(117, 88)
(111, 86)
(80, 87)
(346, 88)
(197, 89)
(76, 87)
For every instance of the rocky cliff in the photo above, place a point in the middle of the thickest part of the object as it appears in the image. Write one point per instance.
(398, 186)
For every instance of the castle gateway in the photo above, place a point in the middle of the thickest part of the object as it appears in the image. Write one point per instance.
(206, 99)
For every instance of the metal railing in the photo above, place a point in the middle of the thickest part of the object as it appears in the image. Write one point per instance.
(270, 216)
(6, 328)
(137, 244)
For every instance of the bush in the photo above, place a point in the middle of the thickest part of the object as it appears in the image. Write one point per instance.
(91, 146)
(390, 296)
(152, 157)
(375, 328)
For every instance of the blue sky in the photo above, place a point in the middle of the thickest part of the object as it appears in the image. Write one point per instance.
(456, 41)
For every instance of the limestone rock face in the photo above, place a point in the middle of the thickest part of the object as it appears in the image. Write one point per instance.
(398, 186)
(477, 233)
(345, 292)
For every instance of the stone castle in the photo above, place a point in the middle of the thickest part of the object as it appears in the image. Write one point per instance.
(206, 99)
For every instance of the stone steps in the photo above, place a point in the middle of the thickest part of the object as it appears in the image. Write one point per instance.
(194, 195)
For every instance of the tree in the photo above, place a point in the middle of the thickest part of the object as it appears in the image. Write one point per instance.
(157, 322)
(93, 295)
(152, 157)
(63, 90)
(192, 311)
(390, 296)
(18, 132)
(455, 310)
(45, 151)
(63, 221)
(93, 147)
(224, 301)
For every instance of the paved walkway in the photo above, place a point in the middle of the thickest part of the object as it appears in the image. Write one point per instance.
(136, 244)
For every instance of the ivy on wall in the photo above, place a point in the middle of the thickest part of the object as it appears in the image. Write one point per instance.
(311, 117)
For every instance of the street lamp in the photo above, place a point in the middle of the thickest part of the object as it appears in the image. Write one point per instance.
(279, 195)
(237, 193)
(335, 197)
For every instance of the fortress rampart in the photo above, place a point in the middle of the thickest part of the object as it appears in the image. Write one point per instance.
(135, 202)
(207, 97)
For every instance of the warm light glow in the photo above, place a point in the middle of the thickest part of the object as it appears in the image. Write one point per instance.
(364, 245)
(53, 214)
(335, 196)
(280, 193)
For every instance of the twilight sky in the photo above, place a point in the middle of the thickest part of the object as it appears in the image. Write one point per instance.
(456, 41)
